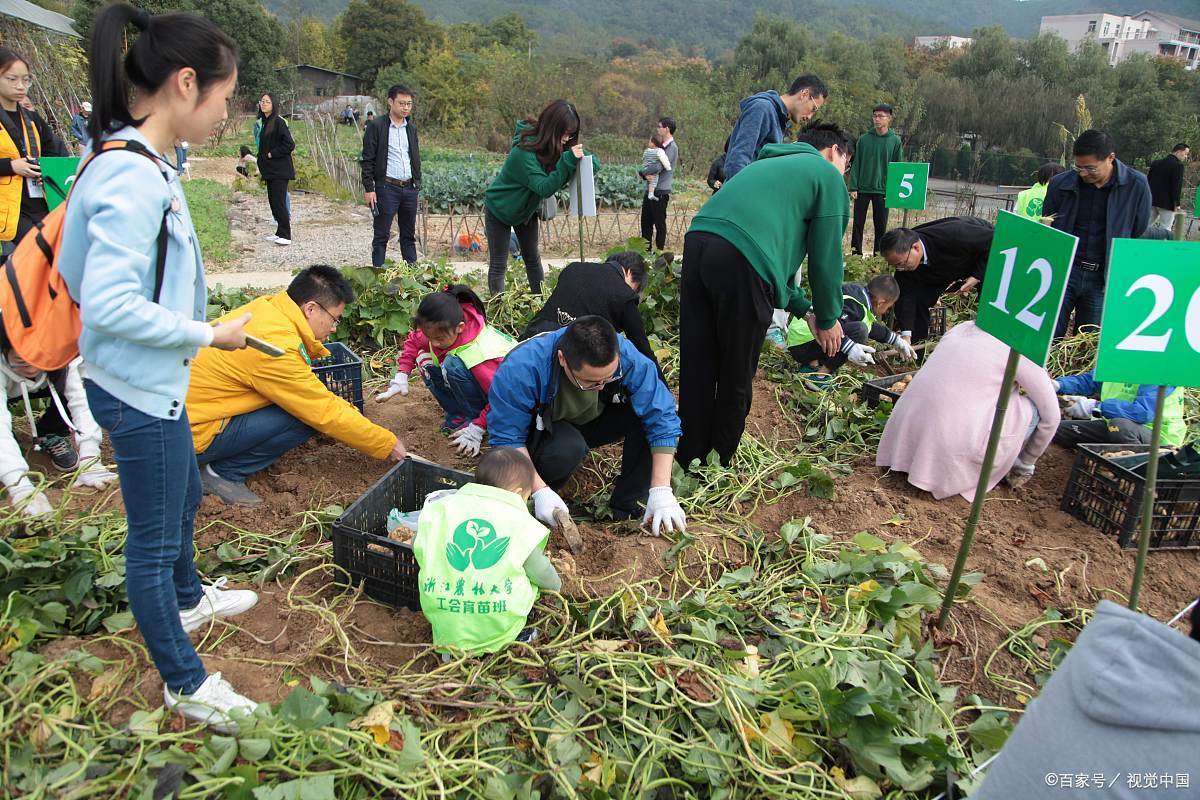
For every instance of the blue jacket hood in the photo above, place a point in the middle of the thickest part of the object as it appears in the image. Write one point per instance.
(772, 97)
(529, 378)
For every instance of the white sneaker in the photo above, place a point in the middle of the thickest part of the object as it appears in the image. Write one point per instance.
(217, 602)
(279, 240)
(213, 704)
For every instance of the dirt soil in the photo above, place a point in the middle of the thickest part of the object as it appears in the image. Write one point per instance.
(289, 634)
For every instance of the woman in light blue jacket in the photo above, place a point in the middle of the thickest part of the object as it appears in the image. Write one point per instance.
(139, 339)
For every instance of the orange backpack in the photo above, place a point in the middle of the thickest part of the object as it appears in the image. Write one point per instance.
(40, 317)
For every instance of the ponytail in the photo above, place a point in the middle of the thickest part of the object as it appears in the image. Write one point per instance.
(164, 44)
(444, 309)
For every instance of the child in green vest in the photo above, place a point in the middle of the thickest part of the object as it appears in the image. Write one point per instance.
(458, 354)
(482, 558)
(861, 307)
(1029, 202)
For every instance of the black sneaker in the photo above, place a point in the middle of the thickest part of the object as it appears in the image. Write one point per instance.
(62, 453)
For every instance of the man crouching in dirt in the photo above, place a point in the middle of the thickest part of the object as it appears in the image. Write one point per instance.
(248, 408)
(559, 394)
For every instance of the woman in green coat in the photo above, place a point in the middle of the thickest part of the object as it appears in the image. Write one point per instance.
(543, 159)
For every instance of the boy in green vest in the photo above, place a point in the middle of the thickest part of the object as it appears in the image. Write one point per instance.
(1124, 414)
(1029, 202)
(861, 307)
(482, 558)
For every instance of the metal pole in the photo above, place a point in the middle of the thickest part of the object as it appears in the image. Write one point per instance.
(985, 474)
(904, 219)
(1179, 230)
(1148, 498)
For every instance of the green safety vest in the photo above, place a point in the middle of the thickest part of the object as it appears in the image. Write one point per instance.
(471, 548)
(489, 344)
(1029, 202)
(1174, 429)
(799, 333)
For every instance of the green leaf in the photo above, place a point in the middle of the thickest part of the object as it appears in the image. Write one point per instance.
(119, 622)
(488, 555)
(737, 577)
(78, 584)
(145, 723)
(244, 791)
(304, 710)
(254, 749)
(869, 542)
(413, 755)
(318, 787)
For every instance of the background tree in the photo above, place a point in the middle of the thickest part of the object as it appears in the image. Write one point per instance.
(376, 33)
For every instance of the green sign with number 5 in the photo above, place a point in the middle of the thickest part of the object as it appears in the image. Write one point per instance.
(906, 185)
(1150, 331)
(1024, 284)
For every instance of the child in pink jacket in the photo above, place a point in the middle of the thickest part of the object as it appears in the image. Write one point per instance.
(458, 354)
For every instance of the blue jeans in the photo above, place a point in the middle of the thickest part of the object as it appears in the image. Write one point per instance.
(455, 389)
(394, 202)
(160, 486)
(1085, 296)
(253, 442)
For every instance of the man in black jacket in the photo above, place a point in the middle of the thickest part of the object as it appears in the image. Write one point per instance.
(391, 175)
(1099, 200)
(931, 258)
(1166, 185)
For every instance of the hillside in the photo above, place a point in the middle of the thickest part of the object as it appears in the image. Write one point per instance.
(708, 27)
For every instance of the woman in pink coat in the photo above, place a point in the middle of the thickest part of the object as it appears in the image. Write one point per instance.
(938, 430)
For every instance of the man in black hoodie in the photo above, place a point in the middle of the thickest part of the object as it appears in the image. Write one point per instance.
(1166, 185)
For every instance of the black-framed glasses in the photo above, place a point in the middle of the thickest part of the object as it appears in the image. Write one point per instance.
(336, 320)
(594, 386)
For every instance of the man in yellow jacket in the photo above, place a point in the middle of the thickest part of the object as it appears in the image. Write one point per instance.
(247, 409)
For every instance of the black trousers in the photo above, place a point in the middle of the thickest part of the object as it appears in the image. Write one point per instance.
(879, 216)
(1101, 431)
(654, 220)
(558, 452)
(398, 203)
(916, 298)
(812, 351)
(277, 197)
(725, 310)
(497, 234)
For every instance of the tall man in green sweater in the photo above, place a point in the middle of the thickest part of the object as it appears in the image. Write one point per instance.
(741, 257)
(868, 176)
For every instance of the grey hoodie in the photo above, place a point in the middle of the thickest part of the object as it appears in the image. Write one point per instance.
(1123, 705)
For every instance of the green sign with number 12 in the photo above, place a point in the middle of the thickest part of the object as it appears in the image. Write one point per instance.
(906, 185)
(1024, 284)
(1150, 331)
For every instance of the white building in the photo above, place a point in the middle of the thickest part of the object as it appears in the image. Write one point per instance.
(949, 42)
(1122, 36)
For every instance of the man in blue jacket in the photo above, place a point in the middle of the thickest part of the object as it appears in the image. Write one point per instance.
(764, 118)
(549, 400)
(1099, 200)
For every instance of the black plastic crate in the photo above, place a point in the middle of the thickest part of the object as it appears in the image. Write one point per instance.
(877, 389)
(341, 371)
(1106, 492)
(360, 542)
(937, 322)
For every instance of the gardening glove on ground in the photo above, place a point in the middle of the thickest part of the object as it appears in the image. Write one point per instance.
(95, 476)
(664, 511)
(37, 504)
(859, 354)
(468, 439)
(398, 385)
(545, 502)
(903, 346)
(1082, 408)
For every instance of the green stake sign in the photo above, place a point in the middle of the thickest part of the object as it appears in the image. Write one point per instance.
(58, 174)
(1150, 331)
(1024, 285)
(906, 185)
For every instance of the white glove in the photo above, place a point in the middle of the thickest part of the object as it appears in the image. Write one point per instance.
(545, 502)
(903, 346)
(96, 476)
(468, 439)
(664, 509)
(1082, 408)
(860, 355)
(36, 504)
(1057, 386)
(398, 385)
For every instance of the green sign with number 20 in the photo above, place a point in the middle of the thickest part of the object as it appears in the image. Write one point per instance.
(1150, 332)
(1024, 284)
